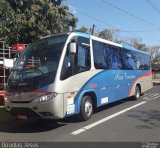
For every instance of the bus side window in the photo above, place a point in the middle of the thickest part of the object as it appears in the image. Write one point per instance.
(115, 58)
(130, 60)
(82, 62)
(82, 57)
(100, 51)
(144, 62)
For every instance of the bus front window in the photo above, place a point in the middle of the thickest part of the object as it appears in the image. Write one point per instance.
(37, 64)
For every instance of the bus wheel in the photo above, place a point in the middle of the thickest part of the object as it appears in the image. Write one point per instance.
(86, 108)
(137, 92)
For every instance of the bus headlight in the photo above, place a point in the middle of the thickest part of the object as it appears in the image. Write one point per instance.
(46, 97)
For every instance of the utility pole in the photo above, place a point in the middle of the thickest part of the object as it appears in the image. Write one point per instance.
(93, 29)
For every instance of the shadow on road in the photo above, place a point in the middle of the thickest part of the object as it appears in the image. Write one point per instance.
(30, 126)
(75, 119)
(35, 125)
(150, 119)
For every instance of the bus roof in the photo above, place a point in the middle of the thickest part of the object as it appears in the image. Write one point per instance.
(126, 46)
(98, 39)
(122, 45)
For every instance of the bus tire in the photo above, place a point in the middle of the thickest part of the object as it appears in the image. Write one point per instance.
(137, 92)
(86, 108)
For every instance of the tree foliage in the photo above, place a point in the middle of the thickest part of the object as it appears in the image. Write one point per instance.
(137, 43)
(83, 29)
(23, 21)
(155, 56)
(109, 34)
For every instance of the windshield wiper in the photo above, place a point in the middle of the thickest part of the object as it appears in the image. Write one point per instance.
(28, 68)
(34, 68)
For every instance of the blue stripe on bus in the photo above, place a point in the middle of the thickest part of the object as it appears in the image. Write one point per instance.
(107, 84)
(83, 34)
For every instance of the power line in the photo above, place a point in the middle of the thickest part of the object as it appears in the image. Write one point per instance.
(116, 28)
(99, 20)
(131, 33)
(130, 14)
(94, 18)
(153, 6)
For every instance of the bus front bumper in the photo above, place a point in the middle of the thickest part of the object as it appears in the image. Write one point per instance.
(50, 109)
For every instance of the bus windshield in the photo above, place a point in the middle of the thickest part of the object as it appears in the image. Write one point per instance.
(39, 60)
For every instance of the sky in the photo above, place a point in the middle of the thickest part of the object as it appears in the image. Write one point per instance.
(134, 18)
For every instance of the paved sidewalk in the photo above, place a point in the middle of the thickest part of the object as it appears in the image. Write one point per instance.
(156, 81)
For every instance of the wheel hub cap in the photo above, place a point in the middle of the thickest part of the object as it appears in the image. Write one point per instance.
(88, 108)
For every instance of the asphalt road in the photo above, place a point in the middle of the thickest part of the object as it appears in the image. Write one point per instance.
(123, 121)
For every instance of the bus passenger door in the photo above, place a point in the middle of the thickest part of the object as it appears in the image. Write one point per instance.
(78, 61)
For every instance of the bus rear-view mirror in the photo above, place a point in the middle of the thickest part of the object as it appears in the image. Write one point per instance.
(73, 47)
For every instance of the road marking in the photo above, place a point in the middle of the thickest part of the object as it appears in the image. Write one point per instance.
(106, 119)
(78, 131)
(151, 95)
(149, 99)
(148, 96)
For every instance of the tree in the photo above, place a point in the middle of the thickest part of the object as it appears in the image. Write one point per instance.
(24, 21)
(137, 43)
(25, 3)
(155, 56)
(56, 2)
(109, 34)
(83, 29)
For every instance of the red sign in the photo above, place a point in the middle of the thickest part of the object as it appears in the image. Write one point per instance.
(19, 47)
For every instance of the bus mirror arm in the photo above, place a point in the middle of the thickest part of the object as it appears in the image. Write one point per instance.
(73, 48)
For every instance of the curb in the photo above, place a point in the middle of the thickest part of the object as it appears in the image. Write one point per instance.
(156, 81)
